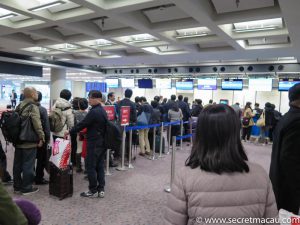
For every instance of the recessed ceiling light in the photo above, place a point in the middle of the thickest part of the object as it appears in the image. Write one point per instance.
(46, 6)
(7, 16)
(258, 25)
(192, 35)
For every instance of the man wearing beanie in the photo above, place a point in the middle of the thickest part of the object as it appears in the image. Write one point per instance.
(95, 122)
(285, 162)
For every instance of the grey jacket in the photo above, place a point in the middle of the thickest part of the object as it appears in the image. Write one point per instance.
(68, 116)
(196, 193)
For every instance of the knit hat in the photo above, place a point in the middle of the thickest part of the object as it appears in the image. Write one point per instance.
(31, 212)
(294, 92)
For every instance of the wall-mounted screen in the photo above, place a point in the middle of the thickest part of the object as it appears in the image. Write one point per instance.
(233, 85)
(207, 84)
(285, 85)
(184, 85)
(99, 86)
(112, 83)
(127, 83)
(260, 84)
(164, 83)
(145, 83)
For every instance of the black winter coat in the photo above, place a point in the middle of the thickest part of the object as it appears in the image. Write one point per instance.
(185, 110)
(132, 105)
(285, 161)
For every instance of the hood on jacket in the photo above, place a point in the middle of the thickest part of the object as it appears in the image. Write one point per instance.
(62, 103)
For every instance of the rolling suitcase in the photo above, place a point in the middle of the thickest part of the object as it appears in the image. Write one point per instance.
(61, 181)
(157, 144)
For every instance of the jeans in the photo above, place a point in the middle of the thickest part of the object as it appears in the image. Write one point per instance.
(95, 165)
(23, 168)
(144, 141)
(13, 103)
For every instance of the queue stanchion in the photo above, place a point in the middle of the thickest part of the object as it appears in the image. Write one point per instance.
(181, 133)
(122, 167)
(107, 172)
(169, 139)
(191, 131)
(130, 166)
(161, 140)
(168, 188)
(153, 148)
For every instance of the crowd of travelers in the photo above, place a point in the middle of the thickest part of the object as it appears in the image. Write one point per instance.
(217, 180)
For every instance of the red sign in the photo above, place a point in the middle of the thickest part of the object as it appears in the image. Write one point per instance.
(125, 115)
(110, 111)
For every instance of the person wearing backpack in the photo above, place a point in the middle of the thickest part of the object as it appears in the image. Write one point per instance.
(79, 116)
(95, 122)
(42, 155)
(61, 117)
(143, 134)
(31, 136)
(247, 122)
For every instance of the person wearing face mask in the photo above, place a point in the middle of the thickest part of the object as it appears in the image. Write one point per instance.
(95, 121)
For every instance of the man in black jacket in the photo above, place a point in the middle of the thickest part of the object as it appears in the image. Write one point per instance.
(127, 102)
(285, 162)
(169, 104)
(95, 122)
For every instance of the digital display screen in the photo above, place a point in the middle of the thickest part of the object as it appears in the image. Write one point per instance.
(233, 85)
(207, 84)
(260, 84)
(112, 83)
(184, 85)
(99, 86)
(164, 83)
(127, 83)
(145, 83)
(285, 85)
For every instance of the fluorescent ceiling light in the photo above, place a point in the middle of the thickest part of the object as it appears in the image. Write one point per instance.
(46, 6)
(140, 38)
(258, 25)
(141, 41)
(42, 49)
(102, 42)
(8, 16)
(270, 27)
(191, 35)
(69, 47)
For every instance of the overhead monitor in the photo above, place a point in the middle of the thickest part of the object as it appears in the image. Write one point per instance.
(127, 83)
(207, 84)
(164, 83)
(233, 85)
(260, 84)
(185, 85)
(99, 86)
(145, 83)
(286, 84)
(112, 83)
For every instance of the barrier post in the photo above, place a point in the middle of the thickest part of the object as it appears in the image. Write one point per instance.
(153, 146)
(122, 167)
(168, 188)
(161, 140)
(181, 133)
(130, 166)
(169, 139)
(107, 172)
(191, 131)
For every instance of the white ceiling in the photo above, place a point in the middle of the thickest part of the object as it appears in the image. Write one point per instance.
(185, 32)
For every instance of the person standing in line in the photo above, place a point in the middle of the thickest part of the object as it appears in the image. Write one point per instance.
(42, 154)
(25, 152)
(13, 99)
(247, 127)
(285, 159)
(197, 108)
(175, 114)
(218, 181)
(22, 95)
(95, 122)
(268, 114)
(143, 134)
(237, 109)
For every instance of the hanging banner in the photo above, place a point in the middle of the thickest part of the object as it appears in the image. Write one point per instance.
(110, 111)
(125, 115)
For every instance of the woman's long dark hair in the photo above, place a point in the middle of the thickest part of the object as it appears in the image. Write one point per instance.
(248, 105)
(217, 145)
(175, 107)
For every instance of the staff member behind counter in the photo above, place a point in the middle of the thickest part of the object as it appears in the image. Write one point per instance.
(95, 122)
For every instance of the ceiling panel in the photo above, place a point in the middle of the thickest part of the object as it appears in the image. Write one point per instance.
(225, 6)
(268, 40)
(108, 24)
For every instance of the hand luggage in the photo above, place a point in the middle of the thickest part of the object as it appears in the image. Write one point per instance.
(157, 144)
(61, 181)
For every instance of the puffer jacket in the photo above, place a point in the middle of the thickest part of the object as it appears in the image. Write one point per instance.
(68, 116)
(196, 193)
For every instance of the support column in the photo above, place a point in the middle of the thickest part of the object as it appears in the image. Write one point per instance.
(58, 83)
(78, 89)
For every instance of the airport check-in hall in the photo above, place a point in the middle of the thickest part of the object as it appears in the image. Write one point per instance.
(149, 112)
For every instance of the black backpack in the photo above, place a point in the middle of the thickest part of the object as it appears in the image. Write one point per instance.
(112, 136)
(10, 124)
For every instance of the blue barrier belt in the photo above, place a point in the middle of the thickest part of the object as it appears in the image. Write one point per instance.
(172, 123)
(142, 127)
(186, 122)
(183, 137)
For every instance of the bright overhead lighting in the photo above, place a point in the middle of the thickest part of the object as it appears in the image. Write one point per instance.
(42, 49)
(69, 46)
(46, 6)
(102, 43)
(7, 16)
(140, 38)
(258, 25)
(192, 35)
(270, 27)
